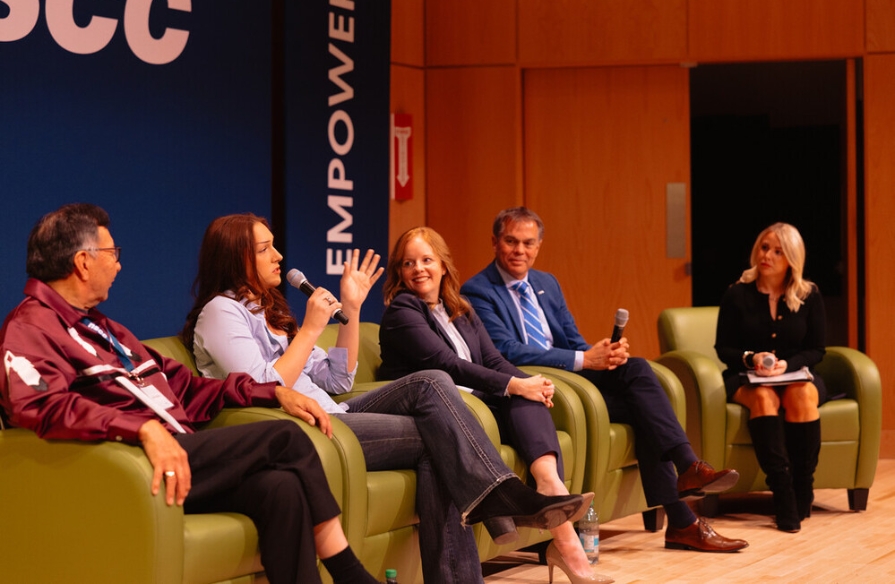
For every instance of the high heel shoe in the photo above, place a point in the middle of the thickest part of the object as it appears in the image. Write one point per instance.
(503, 529)
(512, 500)
(554, 558)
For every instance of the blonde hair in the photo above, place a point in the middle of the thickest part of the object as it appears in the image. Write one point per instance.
(450, 283)
(796, 287)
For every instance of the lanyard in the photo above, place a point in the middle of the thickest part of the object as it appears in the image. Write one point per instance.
(123, 355)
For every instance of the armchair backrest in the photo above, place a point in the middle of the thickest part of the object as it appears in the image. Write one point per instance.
(689, 328)
(368, 359)
(173, 348)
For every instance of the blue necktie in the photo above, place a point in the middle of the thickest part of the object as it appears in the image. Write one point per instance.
(530, 319)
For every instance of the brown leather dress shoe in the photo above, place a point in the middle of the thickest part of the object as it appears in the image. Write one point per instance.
(700, 537)
(701, 479)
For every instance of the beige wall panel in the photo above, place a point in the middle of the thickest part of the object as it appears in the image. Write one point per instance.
(408, 28)
(879, 124)
(473, 137)
(880, 25)
(600, 146)
(408, 96)
(586, 32)
(470, 32)
(773, 29)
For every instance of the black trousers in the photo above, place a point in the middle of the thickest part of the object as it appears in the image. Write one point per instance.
(634, 396)
(270, 472)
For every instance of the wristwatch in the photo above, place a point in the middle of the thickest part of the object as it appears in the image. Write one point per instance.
(749, 359)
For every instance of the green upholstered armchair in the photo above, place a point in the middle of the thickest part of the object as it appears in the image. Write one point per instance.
(378, 508)
(571, 427)
(567, 415)
(83, 512)
(850, 426)
(611, 464)
(79, 512)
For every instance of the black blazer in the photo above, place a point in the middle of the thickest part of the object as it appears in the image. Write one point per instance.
(411, 340)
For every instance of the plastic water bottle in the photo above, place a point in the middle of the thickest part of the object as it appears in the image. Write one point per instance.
(391, 576)
(589, 532)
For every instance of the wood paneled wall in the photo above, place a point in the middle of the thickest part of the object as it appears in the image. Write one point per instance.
(597, 140)
(470, 32)
(562, 33)
(408, 95)
(880, 26)
(879, 204)
(770, 30)
(489, 142)
(474, 152)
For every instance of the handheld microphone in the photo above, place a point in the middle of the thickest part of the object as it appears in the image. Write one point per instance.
(769, 361)
(298, 280)
(621, 319)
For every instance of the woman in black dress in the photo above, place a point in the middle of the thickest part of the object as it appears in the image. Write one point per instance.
(771, 322)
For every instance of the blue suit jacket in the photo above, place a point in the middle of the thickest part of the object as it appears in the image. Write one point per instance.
(489, 296)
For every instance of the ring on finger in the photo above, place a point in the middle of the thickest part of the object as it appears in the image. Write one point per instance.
(169, 473)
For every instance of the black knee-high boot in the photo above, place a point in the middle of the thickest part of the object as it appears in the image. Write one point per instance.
(803, 445)
(770, 449)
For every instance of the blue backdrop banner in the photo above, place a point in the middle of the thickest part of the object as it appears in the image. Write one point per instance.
(164, 114)
(160, 112)
(337, 105)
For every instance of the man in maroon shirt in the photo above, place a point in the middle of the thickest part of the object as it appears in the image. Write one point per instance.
(72, 373)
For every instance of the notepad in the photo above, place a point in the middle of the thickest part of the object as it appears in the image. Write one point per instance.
(802, 374)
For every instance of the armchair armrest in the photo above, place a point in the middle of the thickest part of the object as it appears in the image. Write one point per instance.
(596, 416)
(88, 508)
(854, 373)
(673, 389)
(706, 402)
(568, 416)
(342, 459)
(485, 417)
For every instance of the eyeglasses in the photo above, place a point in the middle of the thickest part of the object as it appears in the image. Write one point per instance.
(114, 250)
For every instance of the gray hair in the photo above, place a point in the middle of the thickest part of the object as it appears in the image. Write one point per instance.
(58, 236)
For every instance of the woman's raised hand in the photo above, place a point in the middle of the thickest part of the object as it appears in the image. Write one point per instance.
(358, 279)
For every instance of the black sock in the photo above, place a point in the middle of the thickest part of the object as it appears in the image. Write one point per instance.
(345, 568)
(682, 456)
(679, 515)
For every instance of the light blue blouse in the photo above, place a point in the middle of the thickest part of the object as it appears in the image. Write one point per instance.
(229, 337)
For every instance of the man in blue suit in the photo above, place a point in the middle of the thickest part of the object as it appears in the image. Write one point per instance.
(526, 316)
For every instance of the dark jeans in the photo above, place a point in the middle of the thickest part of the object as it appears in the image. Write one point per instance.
(420, 421)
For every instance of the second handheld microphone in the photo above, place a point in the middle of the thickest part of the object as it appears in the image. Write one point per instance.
(298, 280)
(621, 320)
